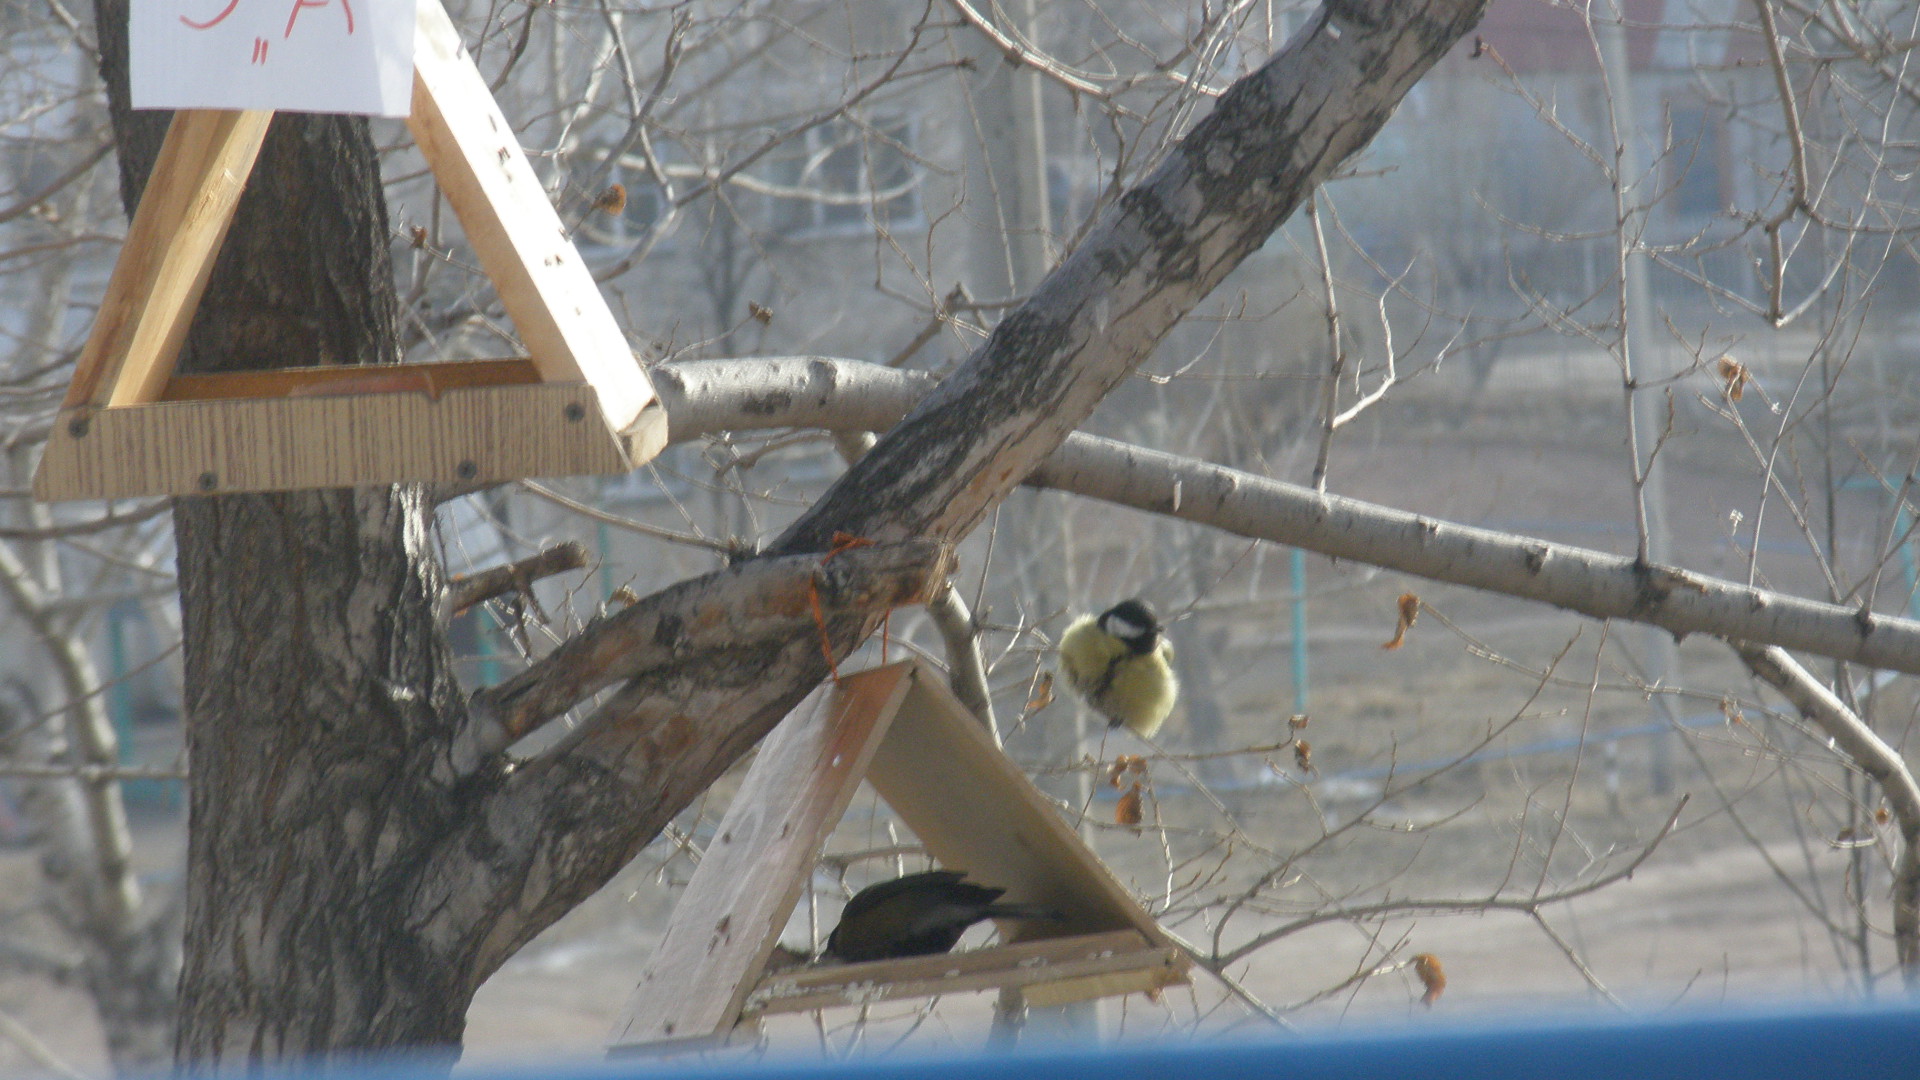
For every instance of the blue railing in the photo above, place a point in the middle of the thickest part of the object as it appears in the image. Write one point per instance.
(1861, 1043)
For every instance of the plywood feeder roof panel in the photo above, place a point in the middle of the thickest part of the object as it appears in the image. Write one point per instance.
(900, 728)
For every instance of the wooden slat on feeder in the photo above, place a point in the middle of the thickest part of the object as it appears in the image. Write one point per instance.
(432, 380)
(738, 900)
(547, 290)
(289, 443)
(901, 728)
(1054, 971)
(579, 404)
(163, 266)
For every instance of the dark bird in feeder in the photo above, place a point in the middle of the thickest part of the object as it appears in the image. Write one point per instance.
(1120, 663)
(919, 915)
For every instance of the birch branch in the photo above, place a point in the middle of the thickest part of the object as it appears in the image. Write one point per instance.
(112, 892)
(707, 396)
(705, 669)
(967, 669)
(1869, 753)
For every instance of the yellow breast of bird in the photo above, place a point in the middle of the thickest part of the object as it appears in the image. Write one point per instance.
(1086, 653)
(1143, 691)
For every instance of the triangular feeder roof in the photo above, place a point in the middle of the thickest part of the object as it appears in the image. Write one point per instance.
(900, 728)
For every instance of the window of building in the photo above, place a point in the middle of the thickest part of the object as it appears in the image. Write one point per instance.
(1696, 154)
(845, 177)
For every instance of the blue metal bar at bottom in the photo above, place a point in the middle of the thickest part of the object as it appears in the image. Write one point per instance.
(1862, 1043)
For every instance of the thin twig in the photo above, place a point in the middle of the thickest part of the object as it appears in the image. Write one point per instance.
(466, 590)
(91, 773)
(1525, 904)
(1871, 754)
(17, 1033)
(725, 547)
(1330, 394)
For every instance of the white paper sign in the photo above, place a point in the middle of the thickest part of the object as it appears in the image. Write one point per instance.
(327, 56)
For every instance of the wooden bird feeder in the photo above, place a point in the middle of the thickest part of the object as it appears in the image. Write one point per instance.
(902, 730)
(579, 404)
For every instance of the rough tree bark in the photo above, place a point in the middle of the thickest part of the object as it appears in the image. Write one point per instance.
(317, 680)
(361, 855)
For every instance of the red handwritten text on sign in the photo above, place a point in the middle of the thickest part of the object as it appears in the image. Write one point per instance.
(301, 55)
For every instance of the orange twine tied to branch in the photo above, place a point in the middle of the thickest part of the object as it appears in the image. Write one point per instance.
(841, 542)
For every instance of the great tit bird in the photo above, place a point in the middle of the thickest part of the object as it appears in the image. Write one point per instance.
(919, 915)
(1122, 665)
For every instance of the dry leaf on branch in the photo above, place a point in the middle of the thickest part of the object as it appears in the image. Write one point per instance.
(1409, 607)
(1042, 693)
(1303, 755)
(1427, 967)
(1735, 374)
(1127, 811)
(1123, 764)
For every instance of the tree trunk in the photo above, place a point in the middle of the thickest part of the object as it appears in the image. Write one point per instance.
(318, 686)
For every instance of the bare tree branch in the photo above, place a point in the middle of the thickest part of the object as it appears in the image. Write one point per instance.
(703, 397)
(1218, 196)
(966, 667)
(1869, 753)
(1528, 905)
(37, 1051)
(54, 186)
(466, 590)
(756, 603)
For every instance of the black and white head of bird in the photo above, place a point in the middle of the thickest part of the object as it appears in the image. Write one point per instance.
(1134, 623)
